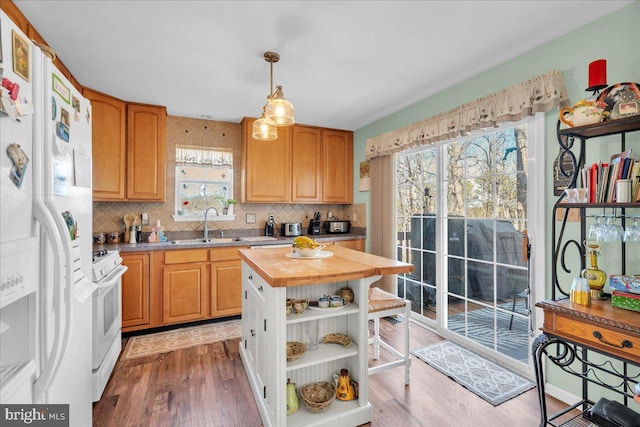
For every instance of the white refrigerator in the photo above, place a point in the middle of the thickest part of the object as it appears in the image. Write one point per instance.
(45, 233)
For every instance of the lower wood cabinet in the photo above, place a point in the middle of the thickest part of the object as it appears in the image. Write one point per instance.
(358, 245)
(184, 292)
(226, 288)
(226, 281)
(185, 285)
(135, 289)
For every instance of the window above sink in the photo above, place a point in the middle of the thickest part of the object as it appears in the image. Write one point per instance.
(204, 179)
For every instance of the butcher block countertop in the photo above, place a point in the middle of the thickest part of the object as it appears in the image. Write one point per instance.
(278, 270)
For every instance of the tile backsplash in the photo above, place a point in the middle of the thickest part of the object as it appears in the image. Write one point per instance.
(108, 216)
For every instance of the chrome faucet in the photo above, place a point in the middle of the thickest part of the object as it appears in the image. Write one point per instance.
(206, 229)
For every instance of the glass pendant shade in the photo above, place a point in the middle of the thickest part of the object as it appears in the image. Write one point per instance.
(264, 130)
(279, 110)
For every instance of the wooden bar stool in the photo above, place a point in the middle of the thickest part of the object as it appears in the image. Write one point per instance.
(383, 304)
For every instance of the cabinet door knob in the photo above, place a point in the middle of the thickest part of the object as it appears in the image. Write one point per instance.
(251, 277)
(253, 332)
(260, 288)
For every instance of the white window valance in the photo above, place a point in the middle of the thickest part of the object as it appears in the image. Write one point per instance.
(538, 94)
(186, 154)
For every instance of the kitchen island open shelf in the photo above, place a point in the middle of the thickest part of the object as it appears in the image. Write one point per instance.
(268, 279)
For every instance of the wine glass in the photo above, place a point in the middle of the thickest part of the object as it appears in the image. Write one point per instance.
(632, 233)
(613, 230)
(597, 230)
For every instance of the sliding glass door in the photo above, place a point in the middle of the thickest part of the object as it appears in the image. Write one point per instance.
(462, 210)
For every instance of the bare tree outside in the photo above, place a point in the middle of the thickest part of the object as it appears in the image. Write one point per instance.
(484, 178)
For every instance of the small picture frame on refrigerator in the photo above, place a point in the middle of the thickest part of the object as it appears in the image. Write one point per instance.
(61, 89)
(21, 56)
(62, 131)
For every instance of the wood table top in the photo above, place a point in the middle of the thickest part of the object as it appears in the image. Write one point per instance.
(600, 311)
(278, 270)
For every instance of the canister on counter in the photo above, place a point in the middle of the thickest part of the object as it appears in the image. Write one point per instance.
(114, 237)
(99, 238)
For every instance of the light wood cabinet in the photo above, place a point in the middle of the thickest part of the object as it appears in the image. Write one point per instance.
(146, 147)
(358, 245)
(184, 292)
(337, 166)
(108, 145)
(129, 149)
(226, 288)
(306, 164)
(135, 289)
(266, 170)
(226, 282)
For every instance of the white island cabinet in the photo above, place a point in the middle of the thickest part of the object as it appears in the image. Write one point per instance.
(269, 277)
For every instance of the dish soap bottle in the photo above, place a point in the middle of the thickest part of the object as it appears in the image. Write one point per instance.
(292, 398)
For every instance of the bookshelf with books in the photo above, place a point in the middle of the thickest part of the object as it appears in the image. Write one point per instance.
(603, 181)
(602, 338)
(600, 178)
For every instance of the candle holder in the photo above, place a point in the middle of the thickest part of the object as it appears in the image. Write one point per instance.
(597, 76)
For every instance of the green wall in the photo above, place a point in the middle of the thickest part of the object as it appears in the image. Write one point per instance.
(614, 37)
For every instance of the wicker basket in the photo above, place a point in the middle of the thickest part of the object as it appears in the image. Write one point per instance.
(295, 349)
(317, 397)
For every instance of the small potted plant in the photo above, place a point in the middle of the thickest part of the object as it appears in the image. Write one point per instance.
(223, 204)
(227, 209)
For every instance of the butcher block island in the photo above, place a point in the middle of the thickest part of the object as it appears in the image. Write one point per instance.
(270, 277)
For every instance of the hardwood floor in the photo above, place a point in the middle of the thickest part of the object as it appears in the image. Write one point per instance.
(207, 386)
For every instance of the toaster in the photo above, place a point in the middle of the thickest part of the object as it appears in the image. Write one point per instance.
(337, 227)
(291, 229)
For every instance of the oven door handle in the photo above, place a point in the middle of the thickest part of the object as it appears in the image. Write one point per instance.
(113, 277)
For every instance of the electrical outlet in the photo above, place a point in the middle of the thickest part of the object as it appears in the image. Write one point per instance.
(355, 217)
(272, 217)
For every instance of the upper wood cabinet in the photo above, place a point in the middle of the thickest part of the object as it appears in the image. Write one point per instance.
(109, 118)
(146, 152)
(306, 164)
(266, 170)
(337, 166)
(129, 149)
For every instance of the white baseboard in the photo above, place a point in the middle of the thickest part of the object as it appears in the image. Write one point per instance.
(560, 394)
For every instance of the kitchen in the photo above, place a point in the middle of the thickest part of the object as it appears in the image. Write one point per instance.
(250, 218)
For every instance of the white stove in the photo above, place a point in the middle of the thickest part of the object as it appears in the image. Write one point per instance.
(107, 273)
(104, 262)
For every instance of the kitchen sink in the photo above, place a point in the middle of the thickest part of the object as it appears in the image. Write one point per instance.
(256, 238)
(201, 241)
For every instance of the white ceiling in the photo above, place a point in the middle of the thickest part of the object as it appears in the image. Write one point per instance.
(343, 64)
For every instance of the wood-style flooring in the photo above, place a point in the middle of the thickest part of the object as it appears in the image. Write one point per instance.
(207, 386)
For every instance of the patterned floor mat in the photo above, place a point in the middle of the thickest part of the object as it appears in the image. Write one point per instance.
(488, 380)
(163, 342)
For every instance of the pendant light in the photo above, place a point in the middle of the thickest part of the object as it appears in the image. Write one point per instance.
(263, 129)
(277, 112)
